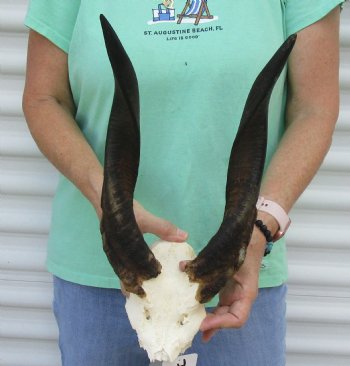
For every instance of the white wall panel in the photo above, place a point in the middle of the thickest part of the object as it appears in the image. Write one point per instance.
(33, 177)
(27, 352)
(15, 140)
(319, 248)
(318, 241)
(11, 96)
(12, 15)
(28, 334)
(25, 214)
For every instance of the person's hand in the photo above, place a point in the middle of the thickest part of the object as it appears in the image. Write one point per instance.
(149, 223)
(238, 295)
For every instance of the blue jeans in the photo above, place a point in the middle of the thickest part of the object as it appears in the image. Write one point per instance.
(94, 331)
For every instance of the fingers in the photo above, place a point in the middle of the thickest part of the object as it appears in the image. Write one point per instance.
(227, 320)
(124, 292)
(182, 265)
(149, 223)
(234, 316)
(165, 230)
(208, 334)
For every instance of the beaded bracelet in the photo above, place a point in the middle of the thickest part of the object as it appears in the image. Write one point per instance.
(267, 233)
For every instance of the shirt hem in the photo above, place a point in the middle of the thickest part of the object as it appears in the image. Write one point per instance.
(82, 278)
(109, 282)
(313, 17)
(47, 32)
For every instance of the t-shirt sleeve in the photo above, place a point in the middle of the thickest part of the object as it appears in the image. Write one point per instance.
(302, 13)
(54, 19)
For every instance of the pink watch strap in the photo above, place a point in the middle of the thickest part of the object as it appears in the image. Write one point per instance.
(275, 210)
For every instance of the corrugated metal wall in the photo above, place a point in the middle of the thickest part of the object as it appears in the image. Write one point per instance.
(319, 248)
(319, 240)
(27, 328)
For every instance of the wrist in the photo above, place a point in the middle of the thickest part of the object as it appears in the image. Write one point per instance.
(275, 211)
(269, 221)
(256, 247)
(95, 190)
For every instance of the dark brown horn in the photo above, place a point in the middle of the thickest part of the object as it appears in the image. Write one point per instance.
(123, 242)
(225, 252)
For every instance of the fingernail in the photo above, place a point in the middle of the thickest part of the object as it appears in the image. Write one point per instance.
(182, 265)
(180, 233)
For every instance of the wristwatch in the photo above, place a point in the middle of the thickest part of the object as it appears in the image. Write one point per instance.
(275, 210)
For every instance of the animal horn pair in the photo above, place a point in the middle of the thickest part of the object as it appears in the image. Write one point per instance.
(123, 242)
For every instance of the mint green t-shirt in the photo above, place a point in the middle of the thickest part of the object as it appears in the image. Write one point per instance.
(193, 80)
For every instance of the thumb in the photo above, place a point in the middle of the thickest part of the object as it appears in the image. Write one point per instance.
(183, 264)
(164, 229)
(150, 223)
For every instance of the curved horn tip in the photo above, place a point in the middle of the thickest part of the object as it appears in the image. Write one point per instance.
(103, 18)
(105, 24)
(290, 41)
(292, 37)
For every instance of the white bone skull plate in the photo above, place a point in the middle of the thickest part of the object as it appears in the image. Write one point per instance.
(168, 318)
